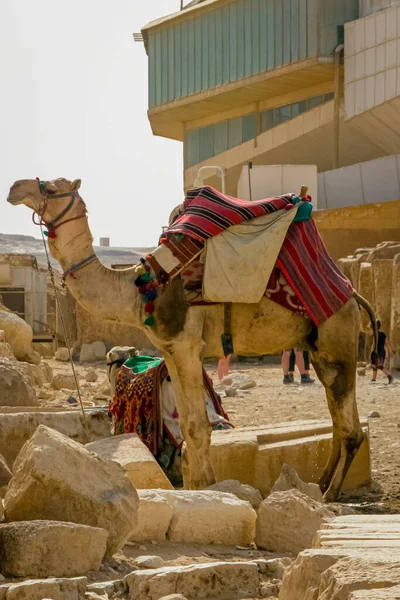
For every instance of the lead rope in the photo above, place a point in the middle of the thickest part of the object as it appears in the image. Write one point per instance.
(50, 268)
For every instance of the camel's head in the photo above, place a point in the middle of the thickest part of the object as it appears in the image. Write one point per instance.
(47, 198)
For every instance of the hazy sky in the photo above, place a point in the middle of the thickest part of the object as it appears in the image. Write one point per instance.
(73, 104)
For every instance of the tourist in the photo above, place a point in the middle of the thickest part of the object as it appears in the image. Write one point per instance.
(383, 347)
(293, 357)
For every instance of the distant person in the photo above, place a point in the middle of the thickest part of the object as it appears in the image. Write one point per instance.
(292, 358)
(383, 347)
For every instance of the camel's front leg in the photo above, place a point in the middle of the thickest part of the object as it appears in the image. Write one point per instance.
(185, 367)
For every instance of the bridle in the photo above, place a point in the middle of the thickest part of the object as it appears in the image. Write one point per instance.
(53, 225)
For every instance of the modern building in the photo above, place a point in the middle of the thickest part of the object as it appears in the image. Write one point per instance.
(283, 82)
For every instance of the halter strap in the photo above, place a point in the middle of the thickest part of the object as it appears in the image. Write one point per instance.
(78, 266)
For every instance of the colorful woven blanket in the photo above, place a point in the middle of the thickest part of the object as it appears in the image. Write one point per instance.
(137, 405)
(207, 212)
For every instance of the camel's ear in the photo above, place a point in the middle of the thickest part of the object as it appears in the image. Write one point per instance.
(76, 185)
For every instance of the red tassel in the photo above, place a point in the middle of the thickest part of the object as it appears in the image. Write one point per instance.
(52, 234)
(149, 307)
(143, 289)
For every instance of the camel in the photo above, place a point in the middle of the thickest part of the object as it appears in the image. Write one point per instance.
(188, 334)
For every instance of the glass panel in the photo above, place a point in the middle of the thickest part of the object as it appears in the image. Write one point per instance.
(235, 132)
(267, 119)
(220, 137)
(192, 144)
(329, 97)
(315, 101)
(283, 114)
(249, 127)
(206, 143)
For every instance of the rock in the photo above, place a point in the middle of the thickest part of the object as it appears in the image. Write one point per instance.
(390, 593)
(288, 521)
(149, 562)
(244, 492)
(208, 517)
(64, 382)
(106, 587)
(56, 478)
(42, 589)
(91, 376)
(105, 390)
(173, 597)
(362, 371)
(374, 415)
(5, 348)
(93, 352)
(15, 387)
(47, 371)
(231, 392)
(62, 354)
(17, 428)
(101, 397)
(45, 394)
(289, 479)
(140, 465)
(196, 581)
(5, 472)
(269, 590)
(247, 385)
(227, 382)
(18, 334)
(273, 568)
(49, 548)
(154, 517)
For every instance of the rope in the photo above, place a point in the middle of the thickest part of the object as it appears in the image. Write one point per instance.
(50, 268)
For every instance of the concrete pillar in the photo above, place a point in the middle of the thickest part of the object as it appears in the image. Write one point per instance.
(395, 312)
(367, 291)
(383, 275)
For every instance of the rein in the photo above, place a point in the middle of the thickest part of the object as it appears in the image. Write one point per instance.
(54, 224)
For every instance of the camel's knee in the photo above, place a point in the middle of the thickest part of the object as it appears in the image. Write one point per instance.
(353, 441)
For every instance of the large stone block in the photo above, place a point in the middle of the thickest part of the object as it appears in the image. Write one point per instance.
(367, 290)
(242, 491)
(140, 465)
(50, 549)
(255, 455)
(198, 517)
(345, 265)
(360, 531)
(390, 593)
(230, 580)
(284, 513)
(58, 479)
(15, 387)
(16, 428)
(383, 278)
(395, 307)
(45, 589)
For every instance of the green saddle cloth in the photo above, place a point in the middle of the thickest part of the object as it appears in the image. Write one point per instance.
(140, 364)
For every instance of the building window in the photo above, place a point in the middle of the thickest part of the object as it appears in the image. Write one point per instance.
(267, 120)
(249, 127)
(206, 143)
(235, 136)
(220, 137)
(283, 114)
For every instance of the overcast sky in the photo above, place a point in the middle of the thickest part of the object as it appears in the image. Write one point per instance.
(73, 104)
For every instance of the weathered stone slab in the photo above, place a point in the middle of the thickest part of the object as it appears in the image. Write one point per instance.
(233, 580)
(360, 531)
(288, 521)
(42, 589)
(391, 593)
(16, 428)
(289, 479)
(154, 517)
(383, 277)
(140, 465)
(241, 490)
(206, 517)
(15, 387)
(58, 479)
(50, 549)
(255, 455)
(395, 305)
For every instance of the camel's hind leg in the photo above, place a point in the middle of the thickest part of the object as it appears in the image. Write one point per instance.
(185, 367)
(335, 363)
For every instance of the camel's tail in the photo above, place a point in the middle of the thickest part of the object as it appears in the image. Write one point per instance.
(366, 305)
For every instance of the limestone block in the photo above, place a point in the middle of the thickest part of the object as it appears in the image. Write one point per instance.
(50, 548)
(383, 276)
(255, 455)
(17, 428)
(19, 335)
(62, 354)
(64, 382)
(15, 387)
(99, 350)
(5, 472)
(385, 250)
(284, 513)
(366, 290)
(154, 517)
(395, 309)
(91, 376)
(43, 589)
(207, 517)
(140, 465)
(288, 480)
(5, 348)
(332, 573)
(149, 562)
(242, 491)
(93, 352)
(345, 265)
(238, 579)
(360, 531)
(58, 479)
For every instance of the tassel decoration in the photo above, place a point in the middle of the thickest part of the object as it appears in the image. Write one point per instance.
(146, 284)
(149, 322)
(149, 307)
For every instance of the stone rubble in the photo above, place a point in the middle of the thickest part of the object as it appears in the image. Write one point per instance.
(242, 491)
(16, 388)
(58, 479)
(289, 479)
(62, 354)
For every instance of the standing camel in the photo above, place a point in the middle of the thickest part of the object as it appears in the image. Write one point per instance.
(188, 334)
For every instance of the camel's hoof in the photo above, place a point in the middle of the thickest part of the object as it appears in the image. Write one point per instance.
(331, 496)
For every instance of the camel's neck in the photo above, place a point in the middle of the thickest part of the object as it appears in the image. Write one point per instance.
(107, 293)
